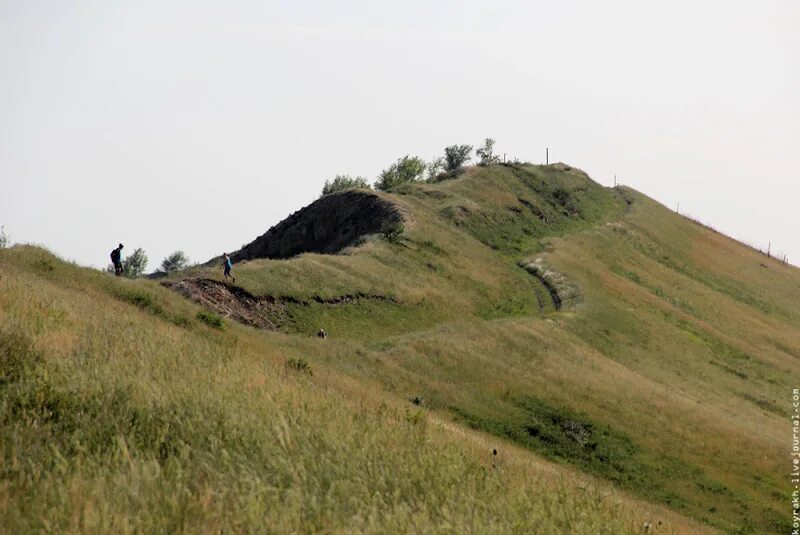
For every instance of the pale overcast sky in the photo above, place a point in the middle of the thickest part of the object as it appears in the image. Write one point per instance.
(198, 125)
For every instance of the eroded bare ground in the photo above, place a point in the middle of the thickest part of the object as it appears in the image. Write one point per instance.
(563, 292)
(265, 312)
(325, 226)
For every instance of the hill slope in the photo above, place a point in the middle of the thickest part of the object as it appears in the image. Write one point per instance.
(665, 372)
(586, 325)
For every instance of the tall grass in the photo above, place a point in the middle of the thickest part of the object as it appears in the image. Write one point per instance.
(114, 418)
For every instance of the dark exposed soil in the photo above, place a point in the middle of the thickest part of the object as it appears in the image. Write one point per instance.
(265, 312)
(326, 226)
(233, 302)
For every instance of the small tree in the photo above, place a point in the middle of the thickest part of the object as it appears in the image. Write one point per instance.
(435, 167)
(485, 153)
(344, 182)
(455, 156)
(4, 239)
(406, 169)
(174, 262)
(135, 264)
(392, 231)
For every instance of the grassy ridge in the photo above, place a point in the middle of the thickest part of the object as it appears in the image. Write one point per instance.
(682, 348)
(122, 410)
(668, 377)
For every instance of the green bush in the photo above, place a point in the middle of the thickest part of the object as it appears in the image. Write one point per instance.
(435, 168)
(406, 169)
(175, 262)
(343, 183)
(211, 319)
(392, 231)
(299, 365)
(141, 299)
(456, 156)
(485, 153)
(134, 266)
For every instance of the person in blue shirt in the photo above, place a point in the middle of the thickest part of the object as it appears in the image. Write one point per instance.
(226, 267)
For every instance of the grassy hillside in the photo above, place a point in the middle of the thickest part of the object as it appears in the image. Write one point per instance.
(668, 372)
(125, 408)
(525, 306)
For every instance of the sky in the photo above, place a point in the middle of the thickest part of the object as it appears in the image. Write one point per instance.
(198, 125)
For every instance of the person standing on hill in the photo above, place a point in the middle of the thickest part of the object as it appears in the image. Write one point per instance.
(116, 259)
(226, 267)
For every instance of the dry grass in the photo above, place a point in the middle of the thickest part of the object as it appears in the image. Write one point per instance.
(124, 418)
(677, 363)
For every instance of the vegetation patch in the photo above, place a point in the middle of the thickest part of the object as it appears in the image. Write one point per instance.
(392, 231)
(144, 300)
(211, 319)
(356, 318)
(548, 202)
(569, 437)
(149, 303)
(677, 302)
(299, 365)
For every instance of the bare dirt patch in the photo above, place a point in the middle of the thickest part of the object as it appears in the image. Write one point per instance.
(265, 312)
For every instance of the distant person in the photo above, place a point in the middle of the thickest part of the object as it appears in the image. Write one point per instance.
(226, 267)
(116, 258)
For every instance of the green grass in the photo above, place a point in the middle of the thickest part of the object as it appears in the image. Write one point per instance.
(211, 319)
(667, 380)
(673, 324)
(565, 436)
(115, 419)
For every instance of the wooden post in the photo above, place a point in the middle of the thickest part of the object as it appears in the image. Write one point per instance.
(769, 248)
(547, 156)
(615, 181)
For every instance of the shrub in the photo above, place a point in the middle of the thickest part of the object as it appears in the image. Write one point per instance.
(174, 262)
(343, 183)
(299, 365)
(392, 231)
(135, 264)
(455, 156)
(141, 299)
(416, 418)
(435, 168)
(485, 153)
(211, 319)
(406, 169)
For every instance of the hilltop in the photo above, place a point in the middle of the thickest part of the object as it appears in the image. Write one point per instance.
(585, 333)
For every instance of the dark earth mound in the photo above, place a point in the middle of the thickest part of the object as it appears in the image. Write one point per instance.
(326, 226)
